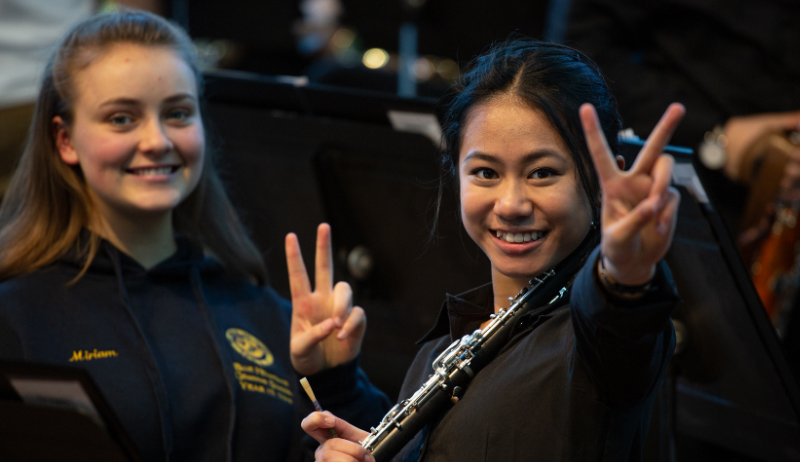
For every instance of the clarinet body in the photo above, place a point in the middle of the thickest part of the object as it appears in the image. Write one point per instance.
(453, 369)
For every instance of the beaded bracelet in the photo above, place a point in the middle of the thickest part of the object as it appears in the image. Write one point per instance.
(615, 287)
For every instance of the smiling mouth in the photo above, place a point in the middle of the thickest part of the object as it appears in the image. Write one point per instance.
(519, 237)
(146, 171)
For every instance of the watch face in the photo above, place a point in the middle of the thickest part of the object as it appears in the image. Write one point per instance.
(712, 155)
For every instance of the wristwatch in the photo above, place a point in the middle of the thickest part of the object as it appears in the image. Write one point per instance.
(712, 150)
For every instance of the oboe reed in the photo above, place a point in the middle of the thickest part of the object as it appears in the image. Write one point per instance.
(310, 392)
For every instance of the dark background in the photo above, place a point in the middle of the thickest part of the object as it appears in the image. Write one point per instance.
(263, 31)
(294, 158)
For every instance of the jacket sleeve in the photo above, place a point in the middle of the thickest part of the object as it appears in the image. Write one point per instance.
(625, 344)
(344, 390)
(348, 394)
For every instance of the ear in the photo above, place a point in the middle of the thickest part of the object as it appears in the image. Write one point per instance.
(63, 141)
(620, 162)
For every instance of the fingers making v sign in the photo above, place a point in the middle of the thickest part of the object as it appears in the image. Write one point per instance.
(327, 329)
(639, 208)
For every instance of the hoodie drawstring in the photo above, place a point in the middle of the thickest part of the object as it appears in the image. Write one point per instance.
(156, 384)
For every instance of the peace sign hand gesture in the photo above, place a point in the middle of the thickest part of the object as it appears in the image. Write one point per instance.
(327, 329)
(639, 208)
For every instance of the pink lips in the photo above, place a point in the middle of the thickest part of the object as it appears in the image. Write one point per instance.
(516, 248)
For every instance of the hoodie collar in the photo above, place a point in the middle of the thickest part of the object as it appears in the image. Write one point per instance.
(187, 255)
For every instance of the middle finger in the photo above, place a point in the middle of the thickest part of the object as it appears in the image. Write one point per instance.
(659, 138)
(324, 262)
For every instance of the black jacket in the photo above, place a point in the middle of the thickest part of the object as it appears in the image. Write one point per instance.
(194, 362)
(576, 384)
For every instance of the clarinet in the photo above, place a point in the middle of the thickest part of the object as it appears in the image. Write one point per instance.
(453, 369)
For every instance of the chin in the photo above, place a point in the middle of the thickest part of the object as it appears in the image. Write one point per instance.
(153, 208)
(521, 272)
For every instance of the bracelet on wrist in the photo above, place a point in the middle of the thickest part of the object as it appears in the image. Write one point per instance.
(615, 288)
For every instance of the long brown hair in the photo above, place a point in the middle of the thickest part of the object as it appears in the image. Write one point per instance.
(47, 203)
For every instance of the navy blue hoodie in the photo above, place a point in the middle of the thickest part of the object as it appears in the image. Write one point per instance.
(194, 362)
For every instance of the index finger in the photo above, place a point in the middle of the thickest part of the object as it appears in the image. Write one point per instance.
(317, 424)
(323, 273)
(298, 276)
(658, 138)
(596, 141)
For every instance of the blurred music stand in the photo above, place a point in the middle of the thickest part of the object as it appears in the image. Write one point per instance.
(731, 386)
(52, 413)
(298, 154)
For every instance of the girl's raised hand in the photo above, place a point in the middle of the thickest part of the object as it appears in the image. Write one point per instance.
(327, 329)
(639, 208)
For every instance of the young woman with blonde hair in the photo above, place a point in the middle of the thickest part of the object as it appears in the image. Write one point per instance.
(121, 253)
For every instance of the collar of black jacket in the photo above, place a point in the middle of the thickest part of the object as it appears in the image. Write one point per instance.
(462, 314)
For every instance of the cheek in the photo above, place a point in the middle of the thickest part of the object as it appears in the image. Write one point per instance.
(575, 215)
(96, 151)
(475, 206)
(191, 143)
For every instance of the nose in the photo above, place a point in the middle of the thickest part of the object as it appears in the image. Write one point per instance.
(513, 203)
(154, 139)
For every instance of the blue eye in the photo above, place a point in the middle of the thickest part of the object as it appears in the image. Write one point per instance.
(178, 114)
(120, 120)
(485, 173)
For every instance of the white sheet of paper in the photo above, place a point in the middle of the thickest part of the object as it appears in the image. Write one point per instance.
(69, 393)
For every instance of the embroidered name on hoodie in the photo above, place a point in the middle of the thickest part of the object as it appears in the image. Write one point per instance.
(86, 355)
(247, 345)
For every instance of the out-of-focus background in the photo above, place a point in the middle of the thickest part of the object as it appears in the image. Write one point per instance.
(328, 110)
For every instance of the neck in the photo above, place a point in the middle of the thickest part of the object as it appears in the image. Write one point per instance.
(147, 239)
(505, 287)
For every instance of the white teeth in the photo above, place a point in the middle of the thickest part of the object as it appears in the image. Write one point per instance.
(152, 171)
(519, 237)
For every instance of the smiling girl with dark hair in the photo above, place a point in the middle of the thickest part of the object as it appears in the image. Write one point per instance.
(531, 145)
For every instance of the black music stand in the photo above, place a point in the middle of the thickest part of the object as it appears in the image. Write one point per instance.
(52, 413)
(296, 155)
(730, 387)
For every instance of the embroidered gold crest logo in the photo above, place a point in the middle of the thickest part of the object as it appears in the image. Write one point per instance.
(249, 346)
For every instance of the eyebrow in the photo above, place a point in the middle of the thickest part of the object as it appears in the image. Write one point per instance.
(527, 158)
(134, 102)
